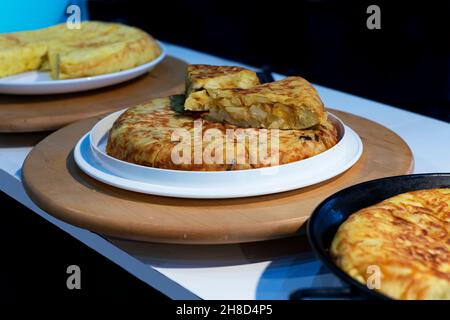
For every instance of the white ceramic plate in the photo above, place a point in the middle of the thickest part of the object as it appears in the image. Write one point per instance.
(91, 157)
(38, 82)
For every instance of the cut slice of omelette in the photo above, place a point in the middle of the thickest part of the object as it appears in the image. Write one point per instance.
(201, 77)
(17, 56)
(94, 49)
(407, 237)
(291, 103)
(144, 135)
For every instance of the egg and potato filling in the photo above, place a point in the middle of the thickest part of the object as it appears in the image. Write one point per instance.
(291, 103)
(202, 77)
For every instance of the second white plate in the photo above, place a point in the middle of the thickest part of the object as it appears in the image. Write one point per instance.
(92, 159)
(38, 82)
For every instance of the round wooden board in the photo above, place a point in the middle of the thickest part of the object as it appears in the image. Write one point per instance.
(55, 183)
(51, 112)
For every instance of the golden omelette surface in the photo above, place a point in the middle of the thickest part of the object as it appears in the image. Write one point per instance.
(290, 103)
(407, 237)
(143, 134)
(94, 49)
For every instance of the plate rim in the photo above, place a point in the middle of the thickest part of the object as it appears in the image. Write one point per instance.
(119, 112)
(195, 192)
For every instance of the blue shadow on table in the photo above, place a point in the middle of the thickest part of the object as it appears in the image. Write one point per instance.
(200, 256)
(291, 265)
(284, 276)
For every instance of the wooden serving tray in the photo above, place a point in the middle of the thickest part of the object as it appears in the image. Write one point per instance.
(50, 112)
(55, 183)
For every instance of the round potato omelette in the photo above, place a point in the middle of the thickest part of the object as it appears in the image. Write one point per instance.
(407, 237)
(144, 135)
(94, 48)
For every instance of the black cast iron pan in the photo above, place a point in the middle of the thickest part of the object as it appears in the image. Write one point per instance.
(334, 210)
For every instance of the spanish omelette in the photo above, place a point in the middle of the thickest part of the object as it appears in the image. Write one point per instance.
(201, 77)
(291, 103)
(94, 49)
(407, 237)
(144, 135)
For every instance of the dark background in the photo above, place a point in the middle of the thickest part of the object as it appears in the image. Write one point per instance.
(35, 255)
(405, 64)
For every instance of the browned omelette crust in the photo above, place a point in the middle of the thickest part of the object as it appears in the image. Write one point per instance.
(199, 72)
(407, 237)
(143, 134)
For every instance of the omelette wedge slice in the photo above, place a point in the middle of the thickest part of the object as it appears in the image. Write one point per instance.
(17, 56)
(201, 77)
(291, 103)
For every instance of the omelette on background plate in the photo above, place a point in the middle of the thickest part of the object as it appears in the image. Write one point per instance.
(407, 237)
(94, 49)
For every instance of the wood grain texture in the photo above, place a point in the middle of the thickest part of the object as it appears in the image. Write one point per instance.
(51, 112)
(54, 182)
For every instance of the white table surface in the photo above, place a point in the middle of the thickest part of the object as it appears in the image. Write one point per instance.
(266, 270)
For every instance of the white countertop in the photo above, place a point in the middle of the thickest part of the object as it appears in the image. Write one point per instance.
(266, 270)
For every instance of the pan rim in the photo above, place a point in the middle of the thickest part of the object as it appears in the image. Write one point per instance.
(324, 257)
